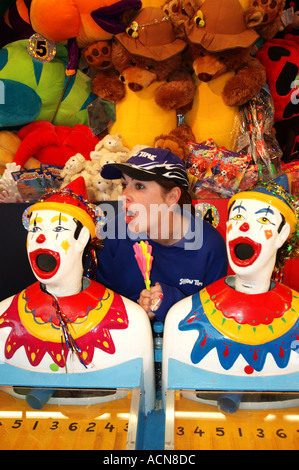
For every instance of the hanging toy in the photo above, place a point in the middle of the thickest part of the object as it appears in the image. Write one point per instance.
(132, 30)
(143, 255)
(198, 19)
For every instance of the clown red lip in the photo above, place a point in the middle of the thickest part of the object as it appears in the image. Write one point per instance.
(244, 251)
(45, 263)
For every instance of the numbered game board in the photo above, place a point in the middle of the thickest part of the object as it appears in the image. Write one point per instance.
(198, 424)
(86, 426)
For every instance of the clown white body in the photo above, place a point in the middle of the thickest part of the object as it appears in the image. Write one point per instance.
(55, 244)
(241, 330)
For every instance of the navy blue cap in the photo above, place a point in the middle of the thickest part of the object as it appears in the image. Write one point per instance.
(150, 164)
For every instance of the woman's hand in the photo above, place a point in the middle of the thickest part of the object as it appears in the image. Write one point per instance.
(150, 300)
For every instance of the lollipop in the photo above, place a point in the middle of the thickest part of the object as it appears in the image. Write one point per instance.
(143, 255)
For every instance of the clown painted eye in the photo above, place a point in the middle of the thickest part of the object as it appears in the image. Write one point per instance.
(34, 229)
(59, 228)
(264, 220)
(238, 217)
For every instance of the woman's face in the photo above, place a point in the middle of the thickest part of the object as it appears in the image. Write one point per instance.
(145, 206)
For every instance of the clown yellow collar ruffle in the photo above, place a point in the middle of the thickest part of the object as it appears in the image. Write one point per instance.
(250, 325)
(90, 315)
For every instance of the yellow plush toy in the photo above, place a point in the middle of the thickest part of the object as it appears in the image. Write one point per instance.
(220, 43)
(210, 117)
(152, 86)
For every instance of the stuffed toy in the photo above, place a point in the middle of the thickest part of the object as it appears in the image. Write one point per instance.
(42, 142)
(265, 17)
(280, 56)
(101, 189)
(152, 88)
(109, 149)
(73, 168)
(281, 60)
(98, 56)
(179, 12)
(177, 141)
(71, 20)
(9, 144)
(220, 43)
(8, 186)
(40, 90)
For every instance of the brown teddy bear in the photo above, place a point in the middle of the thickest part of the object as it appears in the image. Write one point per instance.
(98, 55)
(265, 17)
(152, 88)
(179, 12)
(220, 43)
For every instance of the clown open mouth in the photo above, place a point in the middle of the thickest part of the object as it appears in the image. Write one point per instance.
(244, 251)
(45, 263)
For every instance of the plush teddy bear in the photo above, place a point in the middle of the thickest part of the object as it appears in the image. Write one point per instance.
(265, 17)
(220, 43)
(74, 167)
(177, 141)
(98, 55)
(109, 149)
(179, 12)
(101, 189)
(152, 88)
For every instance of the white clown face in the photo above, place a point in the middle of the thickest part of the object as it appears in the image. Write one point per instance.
(253, 236)
(54, 249)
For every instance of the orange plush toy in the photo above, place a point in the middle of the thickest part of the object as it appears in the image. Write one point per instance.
(79, 22)
(42, 142)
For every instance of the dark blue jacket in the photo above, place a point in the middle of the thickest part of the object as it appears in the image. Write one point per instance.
(182, 269)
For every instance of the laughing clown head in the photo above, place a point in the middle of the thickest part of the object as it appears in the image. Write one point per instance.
(60, 226)
(261, 229)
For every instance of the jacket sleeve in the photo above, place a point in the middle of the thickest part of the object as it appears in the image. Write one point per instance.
(171, 295)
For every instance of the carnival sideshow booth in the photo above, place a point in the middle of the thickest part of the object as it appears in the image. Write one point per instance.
(110, 340)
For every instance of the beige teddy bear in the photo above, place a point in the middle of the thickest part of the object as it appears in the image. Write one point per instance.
(109, 150)
(74, 167)
(99, 189)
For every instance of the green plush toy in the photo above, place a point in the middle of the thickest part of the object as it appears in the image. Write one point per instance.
(35, 90)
